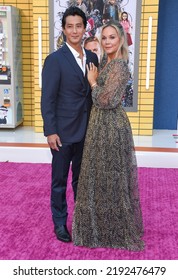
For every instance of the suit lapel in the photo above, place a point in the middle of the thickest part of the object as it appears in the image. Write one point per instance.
(88, 60)
(73, 63)
(88, 56)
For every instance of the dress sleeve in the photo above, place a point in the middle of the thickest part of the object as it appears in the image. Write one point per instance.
(109, 91)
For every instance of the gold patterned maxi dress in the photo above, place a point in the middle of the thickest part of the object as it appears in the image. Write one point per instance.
(107, 211)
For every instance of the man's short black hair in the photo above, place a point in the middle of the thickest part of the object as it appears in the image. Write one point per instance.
(74, 11)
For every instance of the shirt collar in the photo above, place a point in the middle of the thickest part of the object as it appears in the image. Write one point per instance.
(75, 53)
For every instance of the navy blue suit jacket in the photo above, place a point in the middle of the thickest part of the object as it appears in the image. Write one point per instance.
(66, 95)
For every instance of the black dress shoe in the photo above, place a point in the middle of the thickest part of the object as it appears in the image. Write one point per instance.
(62, 233)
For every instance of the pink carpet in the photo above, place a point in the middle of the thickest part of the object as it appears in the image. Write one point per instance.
(26, 228)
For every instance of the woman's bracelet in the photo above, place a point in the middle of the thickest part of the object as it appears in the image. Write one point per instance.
(94, 84)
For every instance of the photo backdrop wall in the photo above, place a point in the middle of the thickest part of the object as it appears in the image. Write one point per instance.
(97, 13)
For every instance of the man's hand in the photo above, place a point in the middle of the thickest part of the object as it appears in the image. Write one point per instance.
(54, 142)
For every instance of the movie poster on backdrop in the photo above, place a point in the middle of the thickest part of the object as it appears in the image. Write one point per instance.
(128, 12)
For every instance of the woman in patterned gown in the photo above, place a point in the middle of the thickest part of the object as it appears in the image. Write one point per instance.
(107, 211)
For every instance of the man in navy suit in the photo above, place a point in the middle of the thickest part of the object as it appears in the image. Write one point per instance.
(65, 104)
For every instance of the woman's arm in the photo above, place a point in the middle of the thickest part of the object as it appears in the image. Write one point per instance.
(109, 95)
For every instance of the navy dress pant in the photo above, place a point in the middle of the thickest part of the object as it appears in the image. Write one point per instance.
(69, 153)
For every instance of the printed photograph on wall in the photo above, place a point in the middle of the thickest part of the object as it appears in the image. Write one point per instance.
(127, 12)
